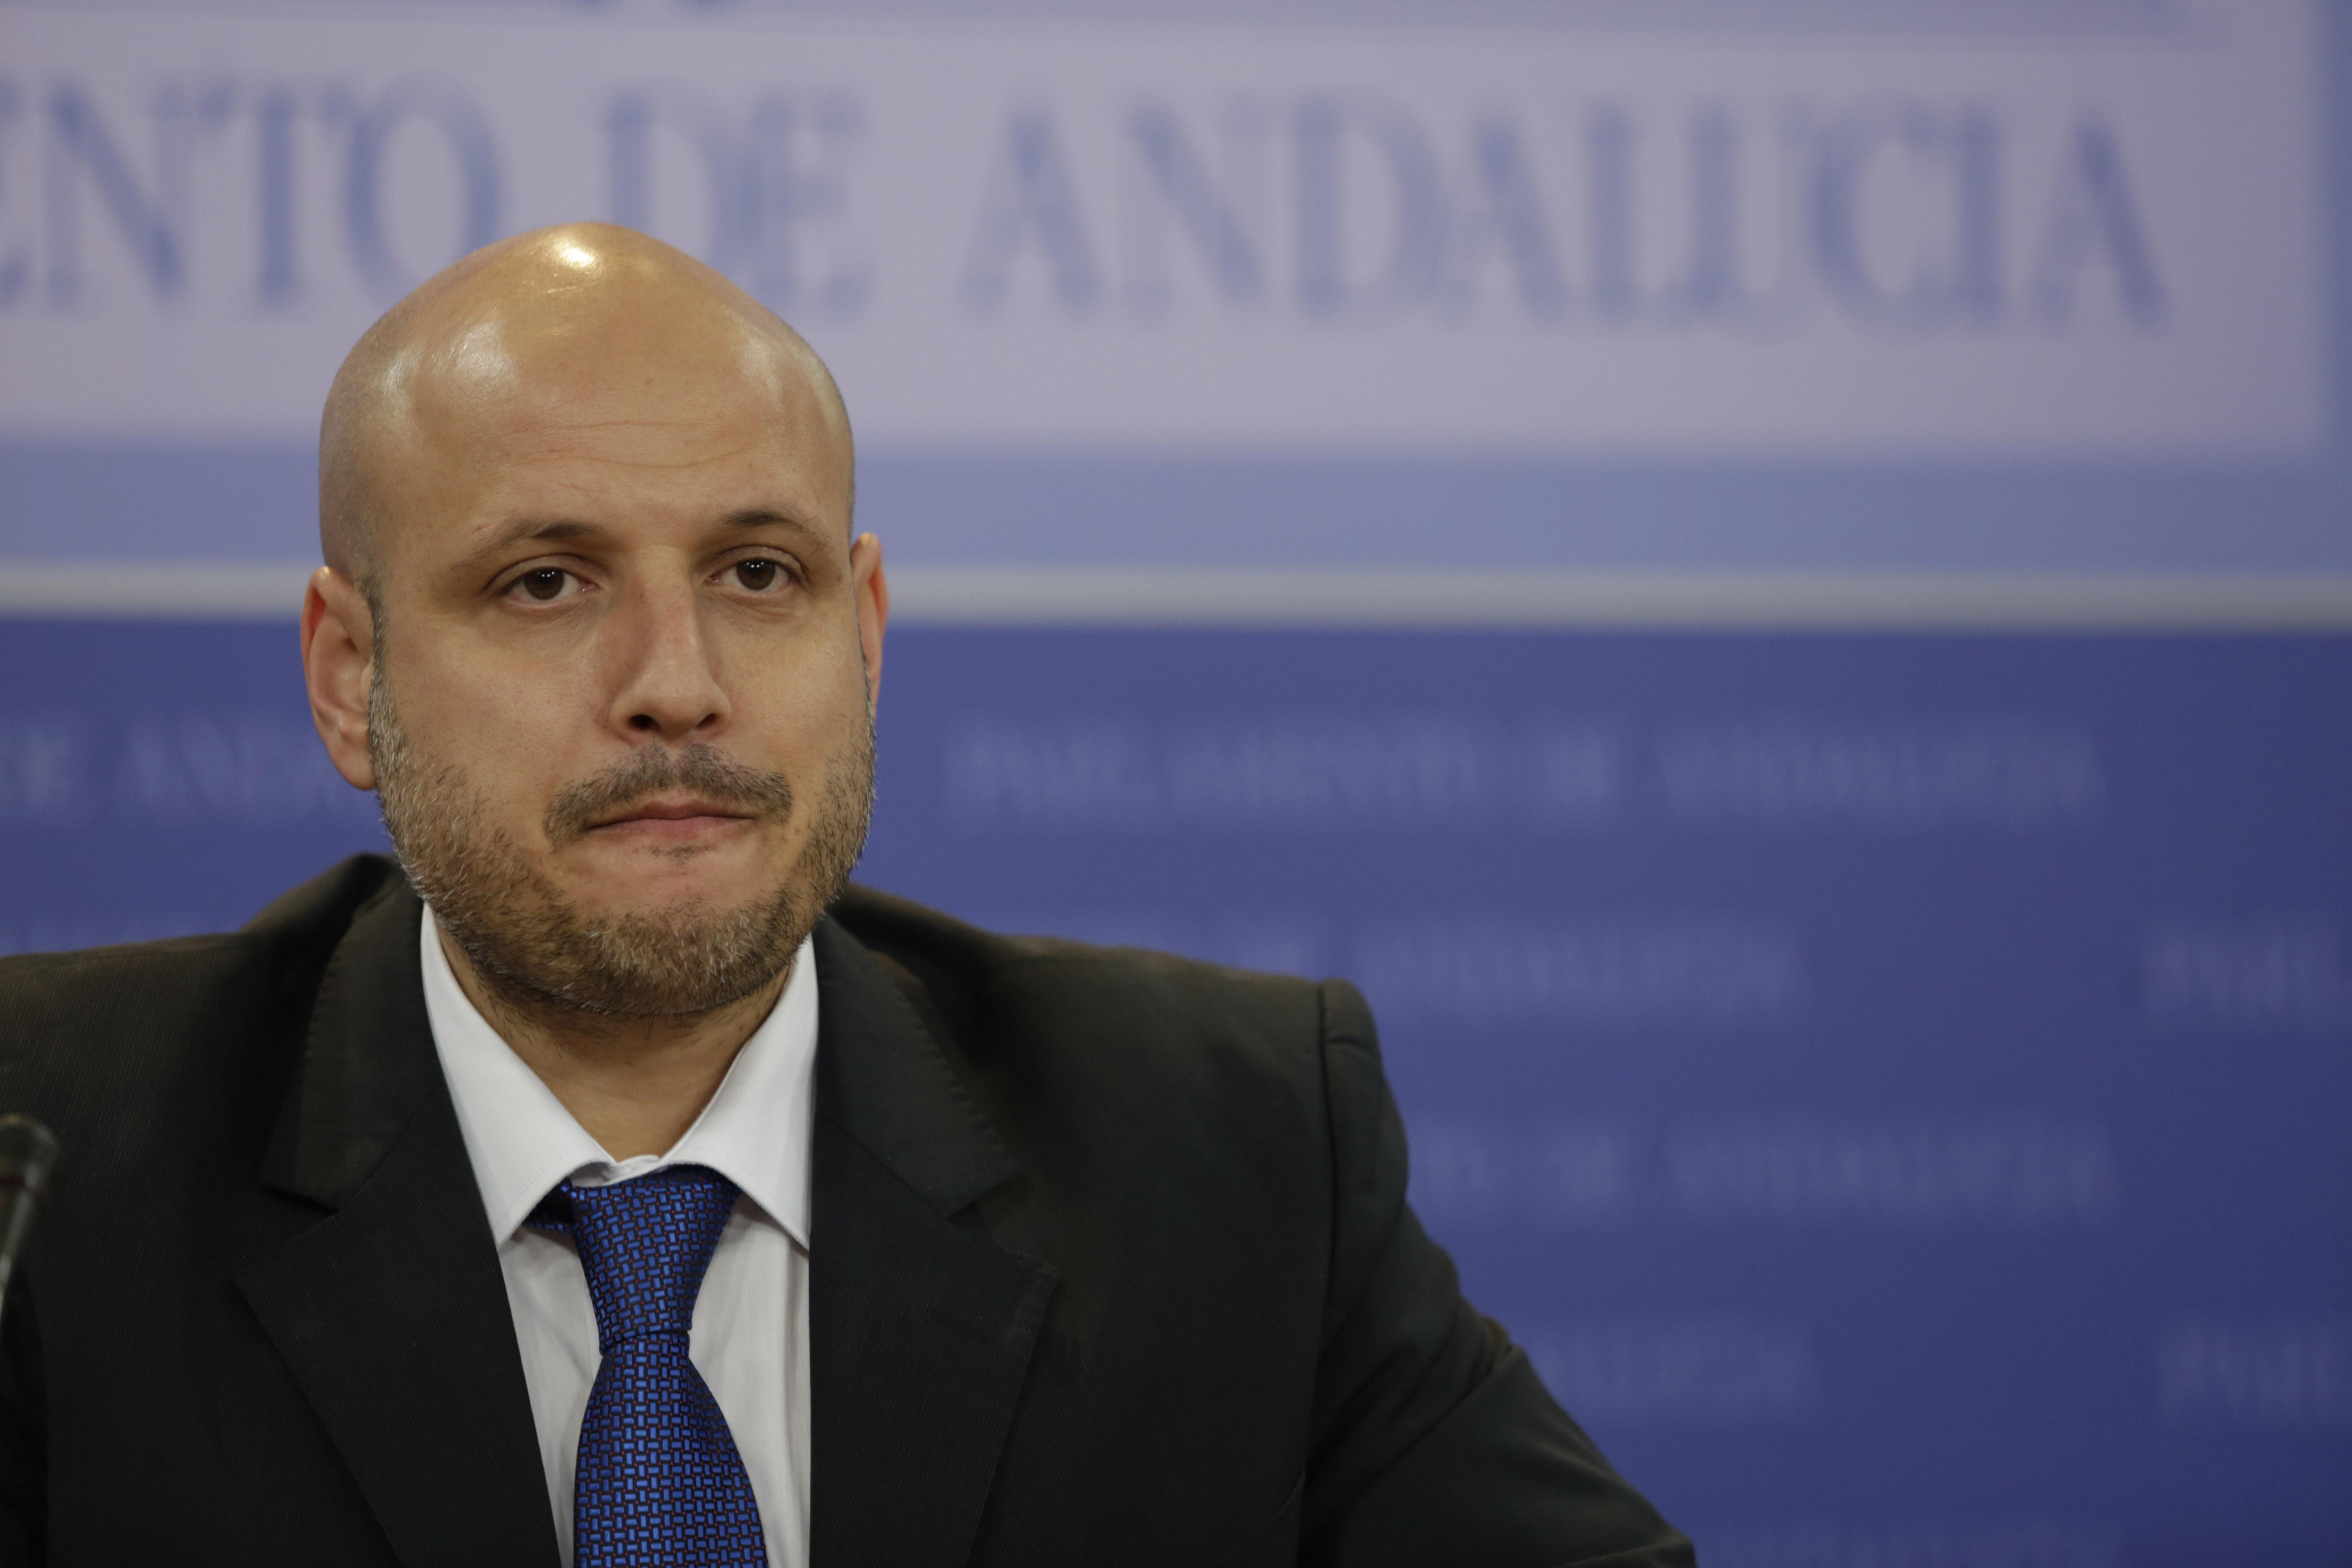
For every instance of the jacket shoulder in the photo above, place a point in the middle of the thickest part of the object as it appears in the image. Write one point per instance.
(990, 994)
(100, 1020)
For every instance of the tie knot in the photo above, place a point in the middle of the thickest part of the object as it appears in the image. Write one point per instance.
(644, 1245)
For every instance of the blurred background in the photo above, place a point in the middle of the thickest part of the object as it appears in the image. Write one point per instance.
(1770, 577)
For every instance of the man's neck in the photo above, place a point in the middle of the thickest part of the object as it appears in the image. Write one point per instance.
(635, 1085)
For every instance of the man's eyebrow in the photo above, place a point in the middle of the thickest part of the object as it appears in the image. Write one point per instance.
(559, 529)
(767, 516)
(531, 529)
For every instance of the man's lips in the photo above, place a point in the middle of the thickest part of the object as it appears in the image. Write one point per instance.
(689, 811)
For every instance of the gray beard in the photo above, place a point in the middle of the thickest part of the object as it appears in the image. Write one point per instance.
(526, 939)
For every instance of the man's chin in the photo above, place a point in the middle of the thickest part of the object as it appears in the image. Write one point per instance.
(645, 946)
(669, 899)
(721, 903)
(647, 866)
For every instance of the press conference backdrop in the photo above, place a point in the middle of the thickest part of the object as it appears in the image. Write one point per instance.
(1769, 576)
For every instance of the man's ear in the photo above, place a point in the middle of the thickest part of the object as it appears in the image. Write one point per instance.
(872, 589)
(337, 661)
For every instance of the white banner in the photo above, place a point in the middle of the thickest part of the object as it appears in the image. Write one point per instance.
(1977, 243)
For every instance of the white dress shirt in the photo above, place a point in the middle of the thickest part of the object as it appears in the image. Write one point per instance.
(751, 1330)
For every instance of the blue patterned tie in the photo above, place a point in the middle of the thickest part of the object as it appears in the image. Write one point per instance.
(660, 1484)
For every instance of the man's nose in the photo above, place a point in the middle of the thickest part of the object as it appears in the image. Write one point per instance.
(668, 684)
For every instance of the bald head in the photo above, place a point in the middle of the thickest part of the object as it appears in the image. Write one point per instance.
(557, 329)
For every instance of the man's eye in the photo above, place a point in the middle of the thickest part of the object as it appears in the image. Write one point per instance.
(544, 583)
(758, 575)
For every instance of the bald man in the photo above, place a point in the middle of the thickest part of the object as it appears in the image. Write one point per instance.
(605, 1181)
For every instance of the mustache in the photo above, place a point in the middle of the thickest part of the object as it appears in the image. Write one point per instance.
(699, 769)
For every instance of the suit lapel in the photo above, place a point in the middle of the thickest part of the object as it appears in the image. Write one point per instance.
(392, 1311)
(921, 1327)
(392, 1314)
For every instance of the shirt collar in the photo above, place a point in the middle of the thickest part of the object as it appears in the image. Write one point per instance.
(523, 1141)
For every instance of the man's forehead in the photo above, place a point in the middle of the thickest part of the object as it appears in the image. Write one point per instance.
(552, 360)
(619, 467)
(634, 412)
(628, 408)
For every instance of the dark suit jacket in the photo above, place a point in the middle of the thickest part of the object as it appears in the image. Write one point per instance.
(1111, 1266)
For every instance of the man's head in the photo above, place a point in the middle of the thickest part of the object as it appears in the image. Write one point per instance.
(593, 622)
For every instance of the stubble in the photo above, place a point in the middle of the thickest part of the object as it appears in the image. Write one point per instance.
(525, 937)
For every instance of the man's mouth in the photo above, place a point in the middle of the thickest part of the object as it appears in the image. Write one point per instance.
(672, 814)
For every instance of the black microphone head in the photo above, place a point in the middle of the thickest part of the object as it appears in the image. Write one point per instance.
(29, 1152)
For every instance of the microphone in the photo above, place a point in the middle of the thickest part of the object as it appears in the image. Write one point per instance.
(29, 1152)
